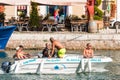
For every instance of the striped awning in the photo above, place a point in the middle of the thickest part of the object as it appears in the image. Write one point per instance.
(21, 7)
(60, 2)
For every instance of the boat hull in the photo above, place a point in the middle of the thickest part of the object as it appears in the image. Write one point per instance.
(67, 65)
(5, 33)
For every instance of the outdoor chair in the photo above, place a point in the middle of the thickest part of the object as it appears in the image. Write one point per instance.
(54, 26)
(49, 24)
(82, 27)
(24, 25)
(74, 27)
(45, 26)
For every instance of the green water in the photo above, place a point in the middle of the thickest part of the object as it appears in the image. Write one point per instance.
(113, 74)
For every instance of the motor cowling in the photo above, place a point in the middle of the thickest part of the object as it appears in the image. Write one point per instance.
(6, 66)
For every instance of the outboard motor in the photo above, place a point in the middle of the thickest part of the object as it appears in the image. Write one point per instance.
(6, 66)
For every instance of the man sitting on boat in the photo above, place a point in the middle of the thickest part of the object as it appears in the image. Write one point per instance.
(88, 51)
(47, 51)
(56, 44)
(20, 54)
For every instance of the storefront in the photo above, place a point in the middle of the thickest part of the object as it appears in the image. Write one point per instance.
(66, 7)
(22, 11)
(62, 12)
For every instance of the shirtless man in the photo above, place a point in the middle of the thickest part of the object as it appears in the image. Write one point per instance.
(20, 54)
(61, 49)
(88, 51)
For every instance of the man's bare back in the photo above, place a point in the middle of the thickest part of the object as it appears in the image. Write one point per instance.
(59, 46)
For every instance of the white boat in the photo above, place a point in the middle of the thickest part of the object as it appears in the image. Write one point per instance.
(68, 65)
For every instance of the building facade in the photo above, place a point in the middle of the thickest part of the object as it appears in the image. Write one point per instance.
(22, 8)
(19, 10)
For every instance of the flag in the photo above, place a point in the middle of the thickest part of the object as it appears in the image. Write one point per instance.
(108, 8)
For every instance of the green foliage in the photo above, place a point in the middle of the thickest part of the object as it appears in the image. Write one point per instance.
(74, 17)
(98, 13)
(98, 2)
(22, 15)
(97, 18)
(34, 17)
(67, 21)
(83, 16)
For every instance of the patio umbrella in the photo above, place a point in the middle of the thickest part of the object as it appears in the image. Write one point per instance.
(60, 2)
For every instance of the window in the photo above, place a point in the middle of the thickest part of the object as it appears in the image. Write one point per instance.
(22, 10)
(62, 10)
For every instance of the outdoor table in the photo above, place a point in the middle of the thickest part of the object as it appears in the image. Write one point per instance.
(49, 25)
(77, 25)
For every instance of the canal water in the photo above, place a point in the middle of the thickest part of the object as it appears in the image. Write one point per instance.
(112, 74)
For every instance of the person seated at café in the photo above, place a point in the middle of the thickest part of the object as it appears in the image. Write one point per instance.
(88, 51)
(20, 54)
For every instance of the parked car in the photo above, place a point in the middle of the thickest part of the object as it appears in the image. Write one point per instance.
(113, 23)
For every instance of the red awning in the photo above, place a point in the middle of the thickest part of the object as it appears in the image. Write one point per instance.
(21, 7)
(60, 2)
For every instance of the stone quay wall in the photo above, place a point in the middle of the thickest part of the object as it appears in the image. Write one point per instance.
(72, 41)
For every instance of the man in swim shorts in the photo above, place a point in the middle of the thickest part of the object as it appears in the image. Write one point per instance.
(61, 49)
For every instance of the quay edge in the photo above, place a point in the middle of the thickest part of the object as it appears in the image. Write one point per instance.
(72, 41)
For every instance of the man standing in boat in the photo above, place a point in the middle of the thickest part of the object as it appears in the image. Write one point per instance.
(56, 44)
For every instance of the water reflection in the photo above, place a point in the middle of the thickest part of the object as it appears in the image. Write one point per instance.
(3, 54)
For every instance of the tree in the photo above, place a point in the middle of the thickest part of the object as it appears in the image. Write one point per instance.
(34, 17)
(98, 13)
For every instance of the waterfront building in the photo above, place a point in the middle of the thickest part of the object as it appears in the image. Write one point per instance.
(23, 7)
(45, 7)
